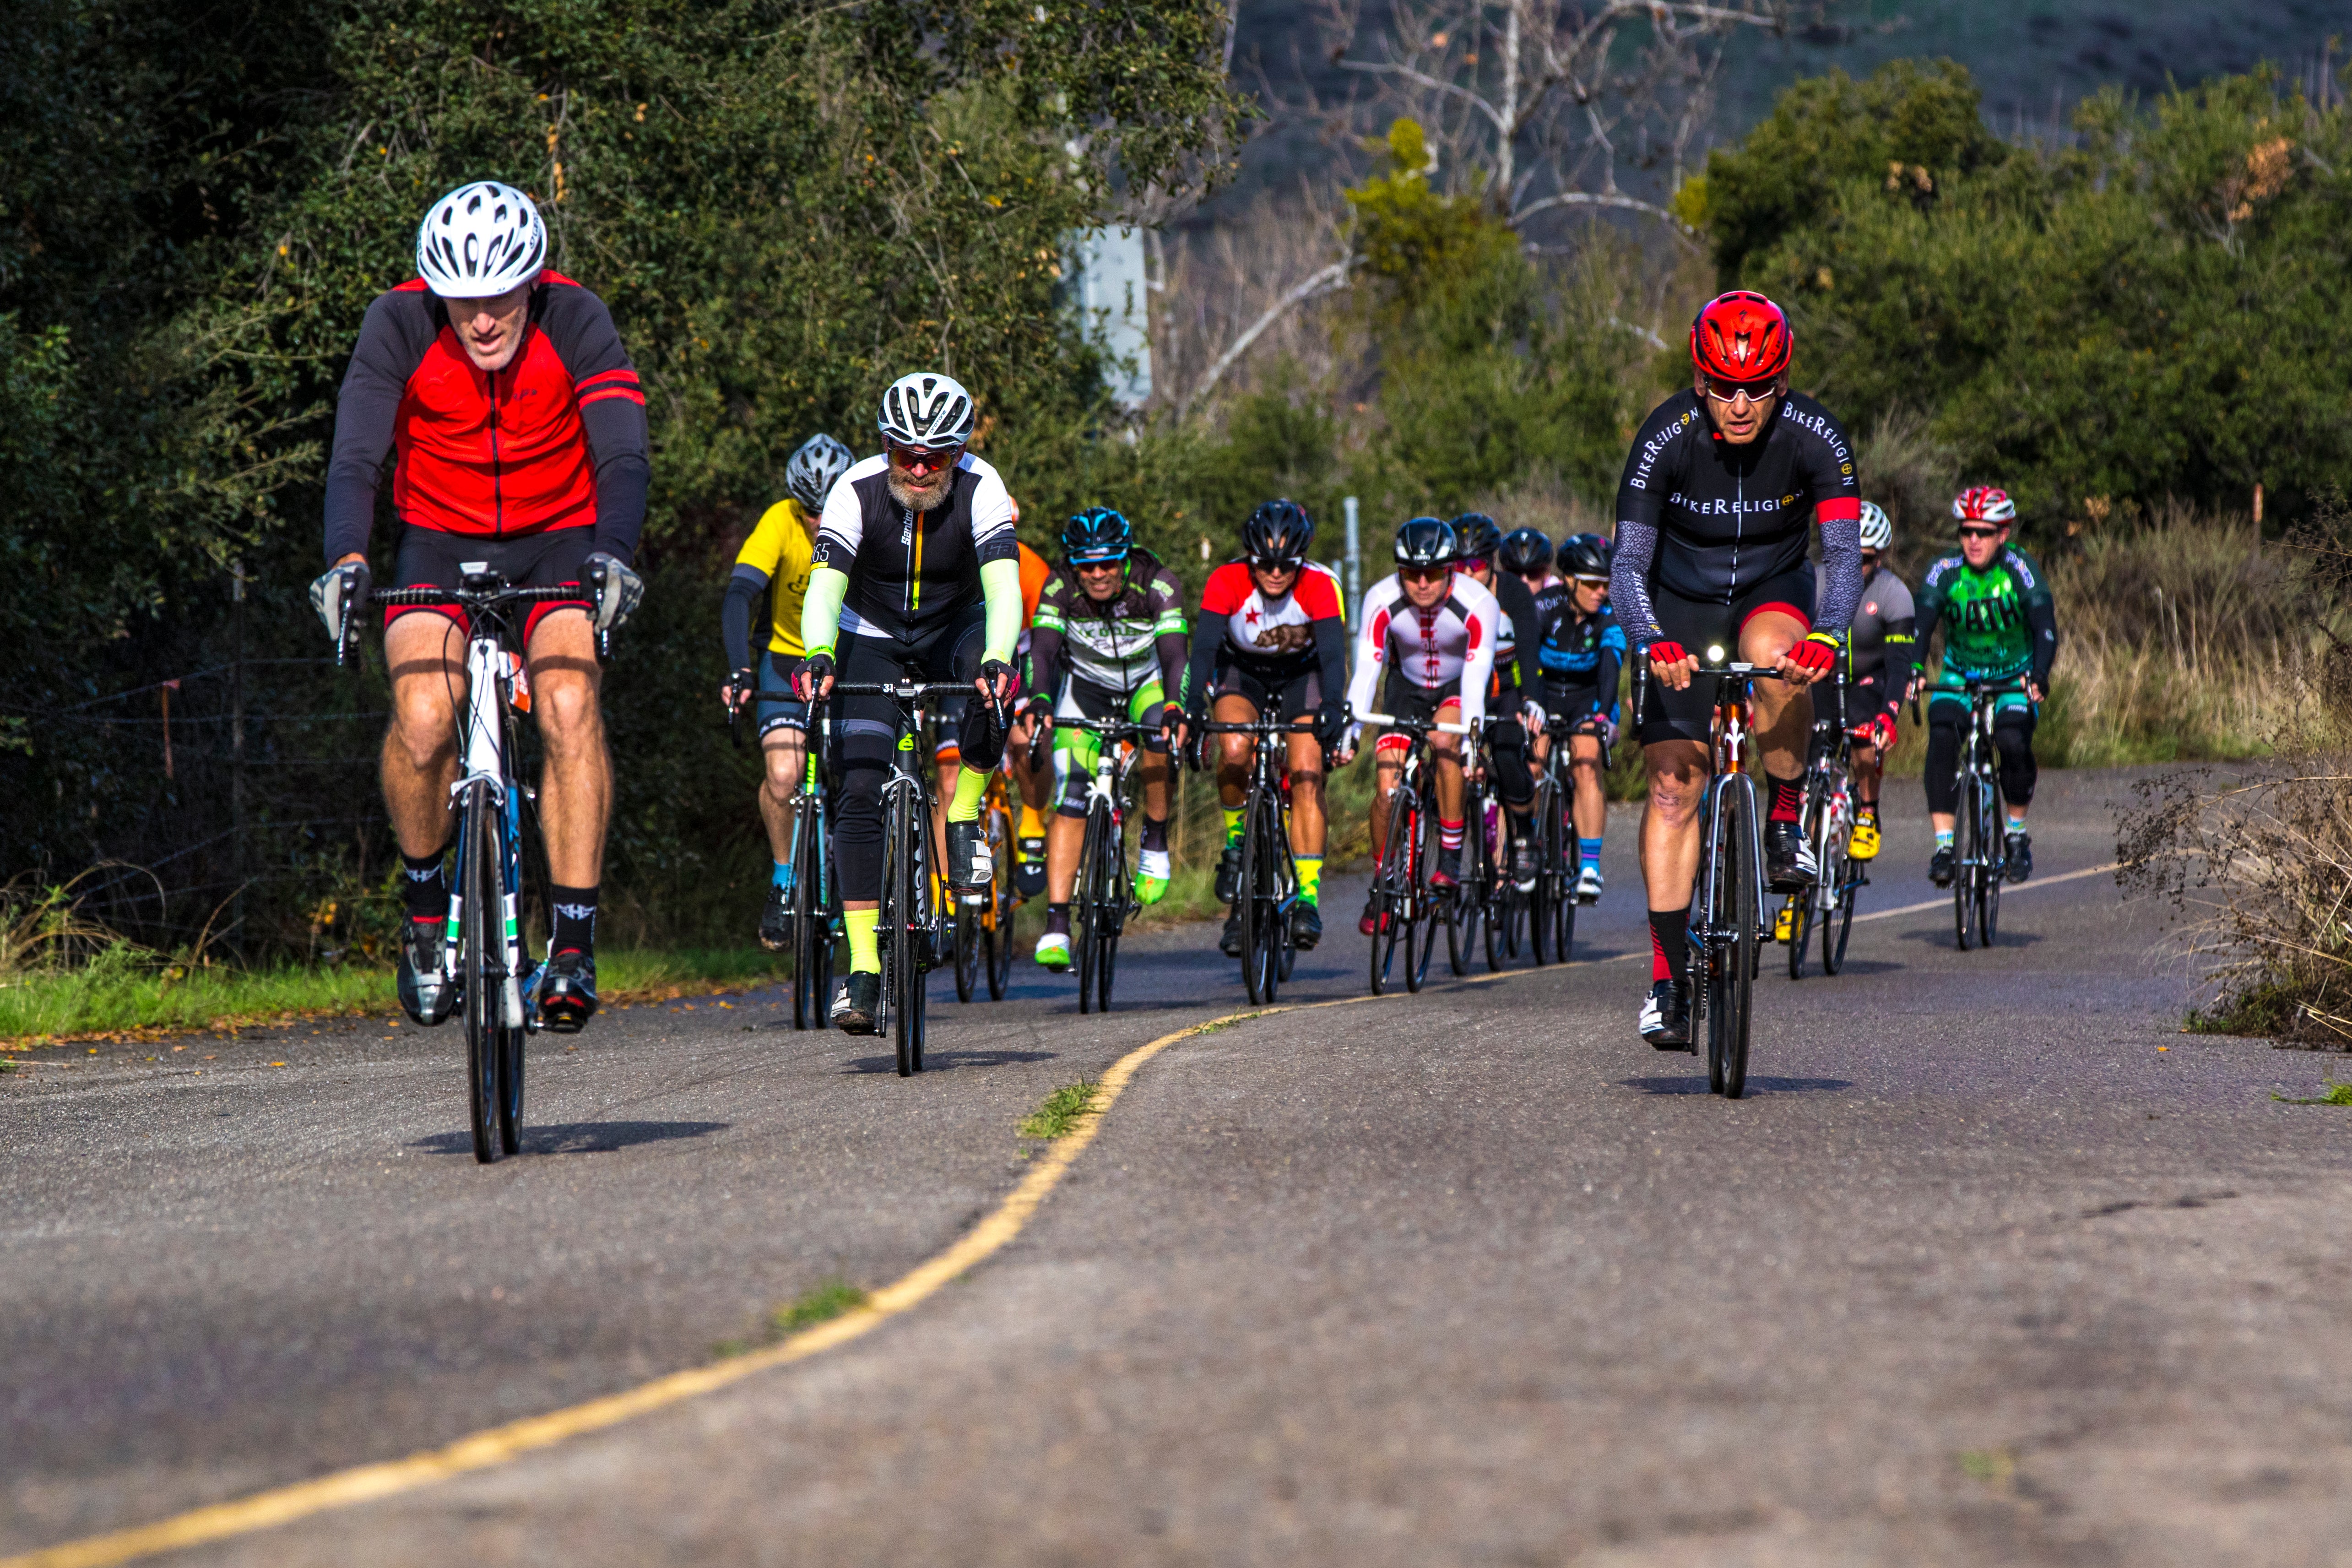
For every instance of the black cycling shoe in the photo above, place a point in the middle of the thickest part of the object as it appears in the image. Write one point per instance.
(1789, 863)
(776, 919)
(1306, 926)
(858, 1003)
(567, 991)
(1230, 942)
(1523, 863)
(971, 866)
(1448, 874)
(1229, 872)
(1940, 866)
(426, 996)
(1666, 1017)
(2020, 863)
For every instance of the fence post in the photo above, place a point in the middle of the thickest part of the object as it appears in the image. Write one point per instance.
(1355, 563)
(237, 754)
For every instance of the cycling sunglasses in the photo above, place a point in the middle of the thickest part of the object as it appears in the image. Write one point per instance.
(1276, 564)
(1423, 573)
(1980, 532)
(1084, 568)
(1473, 564)
(924, 459)
(1733, 391)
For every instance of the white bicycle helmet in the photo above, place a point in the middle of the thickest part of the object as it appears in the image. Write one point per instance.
(1877, 528)
(925, 411)
(481, 240)
(814, 470)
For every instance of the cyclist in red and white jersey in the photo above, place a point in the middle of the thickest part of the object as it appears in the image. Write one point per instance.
(500, 395)
(1271, 636)
(1434, 630)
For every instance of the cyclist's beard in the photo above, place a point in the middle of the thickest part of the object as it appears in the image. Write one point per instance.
(924, 496)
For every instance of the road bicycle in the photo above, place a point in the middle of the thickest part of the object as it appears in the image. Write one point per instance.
(1404, 907)
(1828, 905)
(810, 909)
(1728, 916)
(909, 926)
(983, 925)
(481, 943)
(1489, 902)
(1268, 885)
(1980, 838)
(1552, 902)
(1104, 894)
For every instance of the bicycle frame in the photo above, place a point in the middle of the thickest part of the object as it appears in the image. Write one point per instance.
(1732, 701)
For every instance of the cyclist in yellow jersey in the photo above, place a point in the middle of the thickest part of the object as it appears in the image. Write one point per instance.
(777, 559)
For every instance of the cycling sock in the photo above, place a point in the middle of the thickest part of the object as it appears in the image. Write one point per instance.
(2016, 824)
(1233, 825)
(1449, 835)
(1058, 919)
(782, 875)
(1943, 838)
(865, 953)
(1310, 877)
(575, 919)
(1155, 834)
(1031, 824)
(970, 785)
(424, 890)
(1670, 945)
(1788, 799)
(1588, 851)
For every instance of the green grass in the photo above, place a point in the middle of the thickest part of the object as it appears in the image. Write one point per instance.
(1061, 1111)
(820, 1303)
(2334, 1094)
(123, 991)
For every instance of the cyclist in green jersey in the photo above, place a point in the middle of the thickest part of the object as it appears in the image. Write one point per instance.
(1998, 623)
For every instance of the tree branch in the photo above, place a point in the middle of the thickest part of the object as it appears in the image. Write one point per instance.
(1590, 199)
(1329, 280)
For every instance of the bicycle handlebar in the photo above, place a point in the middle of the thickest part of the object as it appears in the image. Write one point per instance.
(904, 690)
(1422, 726)
(1254, 727)
(471, 599)
(1117, 728)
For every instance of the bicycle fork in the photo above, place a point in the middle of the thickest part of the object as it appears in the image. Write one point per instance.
(487, 676)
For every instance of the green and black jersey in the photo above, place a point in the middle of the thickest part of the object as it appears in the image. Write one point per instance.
(1116, 646)
(1998, 624)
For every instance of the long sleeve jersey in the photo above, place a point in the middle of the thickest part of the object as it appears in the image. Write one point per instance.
(1997, 623)
(1270, 636)
(1117, 646)
(1453, 641)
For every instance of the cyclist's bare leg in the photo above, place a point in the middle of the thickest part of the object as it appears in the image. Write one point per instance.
(785, 753)
(1865, 775)
(426, 654)
(575, 787)
(1591, 807)
(1387, 768)
(1306, 824)
(1445, 750)
(1784, 713)
(1154, 770)
(1233, 751)
(1678, 771)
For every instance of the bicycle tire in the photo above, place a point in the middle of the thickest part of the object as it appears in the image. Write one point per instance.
(1001, 904)
(477, 859)
(1731, 921)
(901, 981)
(1988, 901)
(812, 918)
(1389, 884)
(1245, 903)
(1084, 903)
(1839, 926)
(1264, 882)
(1834, 894)
(1421, 931)
(1963, 890)
(1540, 897)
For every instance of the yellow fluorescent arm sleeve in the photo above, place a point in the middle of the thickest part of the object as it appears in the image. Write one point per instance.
(1000, 586)
(821, 608)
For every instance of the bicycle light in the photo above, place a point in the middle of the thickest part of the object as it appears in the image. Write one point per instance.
(1714, 653)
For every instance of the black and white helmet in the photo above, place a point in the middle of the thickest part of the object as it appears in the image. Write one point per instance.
(925, 411)
(1426, 541)
(814, 470)
(481, 240)
(1877, 528)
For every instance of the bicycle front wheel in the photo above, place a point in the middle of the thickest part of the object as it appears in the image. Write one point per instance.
(1391, 881)
(902, 974)
(481, 948)
(1992, 832)
(1083, 905)
(1838, 924)
(1732, 938)
(1965, 853)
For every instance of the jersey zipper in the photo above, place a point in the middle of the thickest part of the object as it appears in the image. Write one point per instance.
(498, 468)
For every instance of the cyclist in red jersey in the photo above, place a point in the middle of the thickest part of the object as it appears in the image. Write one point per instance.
(500, 395)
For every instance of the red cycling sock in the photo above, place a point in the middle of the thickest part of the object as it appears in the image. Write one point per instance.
(1788, 800)
(1449, 834)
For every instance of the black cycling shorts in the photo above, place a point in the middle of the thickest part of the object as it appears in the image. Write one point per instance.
(1285, 691)
(1699, 624)
(1403, 699)
(433, 558)
(779, 709)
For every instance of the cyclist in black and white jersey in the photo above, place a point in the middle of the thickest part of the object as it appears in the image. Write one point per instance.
(1714, 514)
(916, 576)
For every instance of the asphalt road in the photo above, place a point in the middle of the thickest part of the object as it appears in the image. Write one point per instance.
(1993, 1265)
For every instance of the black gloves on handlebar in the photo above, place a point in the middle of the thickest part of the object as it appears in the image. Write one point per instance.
(618, 589)
(1001, 677)
(1331, 722)
(741, 686)
(813, 671)
(337, 592)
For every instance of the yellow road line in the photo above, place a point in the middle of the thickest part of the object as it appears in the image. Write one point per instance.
(496, 1445)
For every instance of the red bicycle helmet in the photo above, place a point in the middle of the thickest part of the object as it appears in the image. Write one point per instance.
(1741, 337)
(1984, 503)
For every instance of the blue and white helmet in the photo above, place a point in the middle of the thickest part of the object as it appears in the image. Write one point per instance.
(814, 470)
(481, 240)
(925, 411)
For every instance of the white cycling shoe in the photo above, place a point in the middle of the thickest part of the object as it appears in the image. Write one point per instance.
(1053, 949)
(1152, 869)
(1587, 885)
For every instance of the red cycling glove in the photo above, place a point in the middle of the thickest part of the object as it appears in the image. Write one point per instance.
(1817, 653)
(1883, 732)
(1667, 653)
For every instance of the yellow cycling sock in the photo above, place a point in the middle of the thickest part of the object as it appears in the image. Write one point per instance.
(1031, 824)
(970, 785)
(1310, 877)
(1233, 825)
(865, 953)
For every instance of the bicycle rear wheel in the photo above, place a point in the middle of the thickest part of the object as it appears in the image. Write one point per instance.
(971, 939)
(1732, 940)
(481, 946)
(1838, 924)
